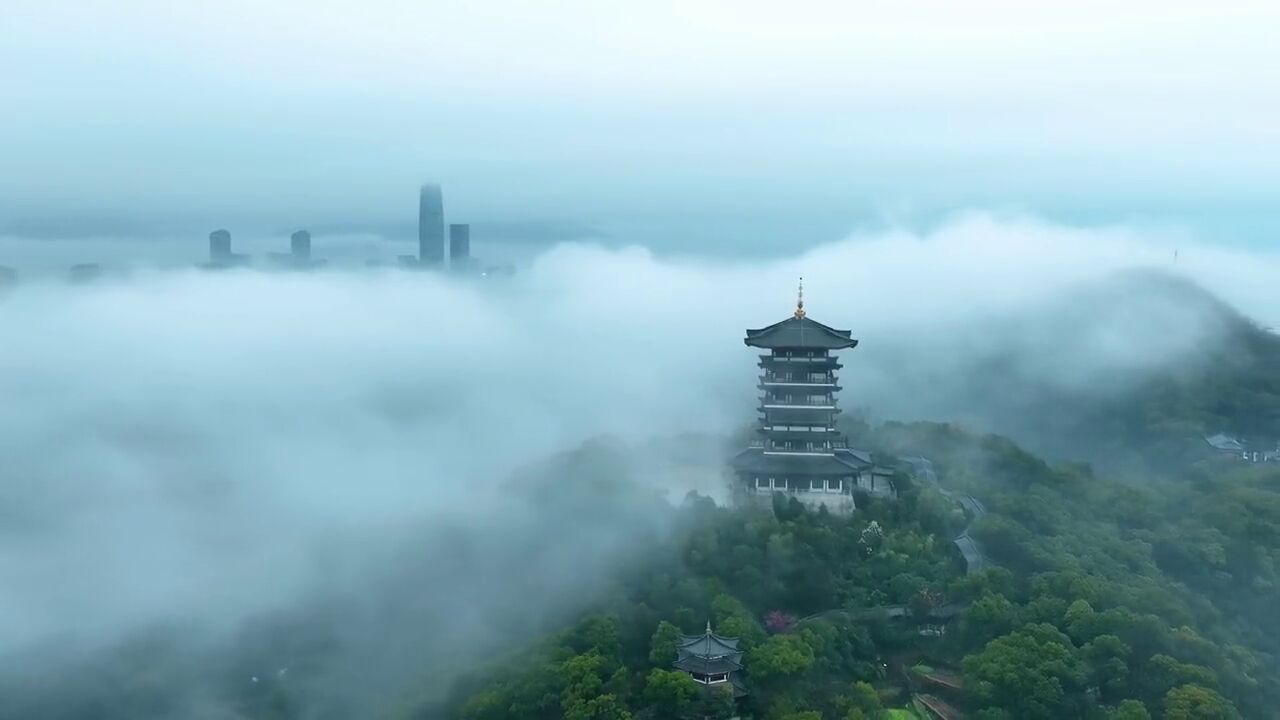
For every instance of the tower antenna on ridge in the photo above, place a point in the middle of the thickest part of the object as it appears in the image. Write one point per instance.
(800, 300)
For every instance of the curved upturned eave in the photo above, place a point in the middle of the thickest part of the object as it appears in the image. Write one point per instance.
(800, 333)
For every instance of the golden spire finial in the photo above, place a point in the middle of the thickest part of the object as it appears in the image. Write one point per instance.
(800, 301)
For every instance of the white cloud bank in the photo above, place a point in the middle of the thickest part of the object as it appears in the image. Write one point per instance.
(178, 444)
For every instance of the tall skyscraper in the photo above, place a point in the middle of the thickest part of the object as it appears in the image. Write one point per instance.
(219, 247)
(431, 226)
(300, 246)
(220, 255)
(459, 246)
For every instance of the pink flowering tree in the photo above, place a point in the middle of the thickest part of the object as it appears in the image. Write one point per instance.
(776, 621)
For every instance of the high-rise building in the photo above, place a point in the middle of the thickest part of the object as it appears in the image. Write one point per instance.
(220, 255)
(300, 246)
(801, 453)
(430, 226)
(219, 247)
(85, 272)
(459, 246)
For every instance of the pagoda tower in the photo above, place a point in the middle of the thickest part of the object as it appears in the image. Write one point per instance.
(799, 451)
(714, 662)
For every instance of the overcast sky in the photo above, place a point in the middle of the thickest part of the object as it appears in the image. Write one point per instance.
(699, 126)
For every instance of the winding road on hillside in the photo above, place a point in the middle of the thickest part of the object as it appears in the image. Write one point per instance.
(974, 558)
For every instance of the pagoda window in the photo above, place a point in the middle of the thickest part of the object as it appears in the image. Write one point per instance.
(717, 678)
(816, 485)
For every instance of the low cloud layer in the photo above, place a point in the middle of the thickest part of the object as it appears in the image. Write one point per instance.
(179, 446)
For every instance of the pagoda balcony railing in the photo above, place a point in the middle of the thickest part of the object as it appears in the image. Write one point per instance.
(776, 406)
(815, 448)
(830, 409)
(800, 359)
(800, 379)
(796, 402)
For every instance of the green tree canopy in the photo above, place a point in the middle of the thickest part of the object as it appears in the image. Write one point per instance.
(1026, 672)
(779, 657)
(670, 693)
(1192, 702)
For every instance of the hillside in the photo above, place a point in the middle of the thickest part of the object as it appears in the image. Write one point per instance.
(1105, 596)
(1130, 372)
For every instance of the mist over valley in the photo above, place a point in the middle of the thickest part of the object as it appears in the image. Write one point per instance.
(353, 482)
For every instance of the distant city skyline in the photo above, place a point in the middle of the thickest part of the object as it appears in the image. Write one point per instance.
(708, 128)
(435, 249)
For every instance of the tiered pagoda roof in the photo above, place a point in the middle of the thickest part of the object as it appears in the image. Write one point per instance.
(840, 462)
(708, 653)
(799, 332)
(711, 654)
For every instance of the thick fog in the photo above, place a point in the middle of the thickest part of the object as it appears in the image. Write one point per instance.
(207, 448)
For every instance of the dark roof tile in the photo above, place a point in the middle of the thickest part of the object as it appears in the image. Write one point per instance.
(800, 332)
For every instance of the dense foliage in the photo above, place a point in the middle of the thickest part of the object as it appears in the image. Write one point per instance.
(733, 568)
(1108, 600)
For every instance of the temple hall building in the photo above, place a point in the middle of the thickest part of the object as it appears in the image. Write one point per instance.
(799, 450)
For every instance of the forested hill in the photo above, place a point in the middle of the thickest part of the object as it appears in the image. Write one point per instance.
(1131, 372)
(1107, 601)
(1202, 554)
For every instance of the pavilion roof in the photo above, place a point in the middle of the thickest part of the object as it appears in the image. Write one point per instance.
(708, 644)
(1222, 441)
(710, 666)
(973, 557)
